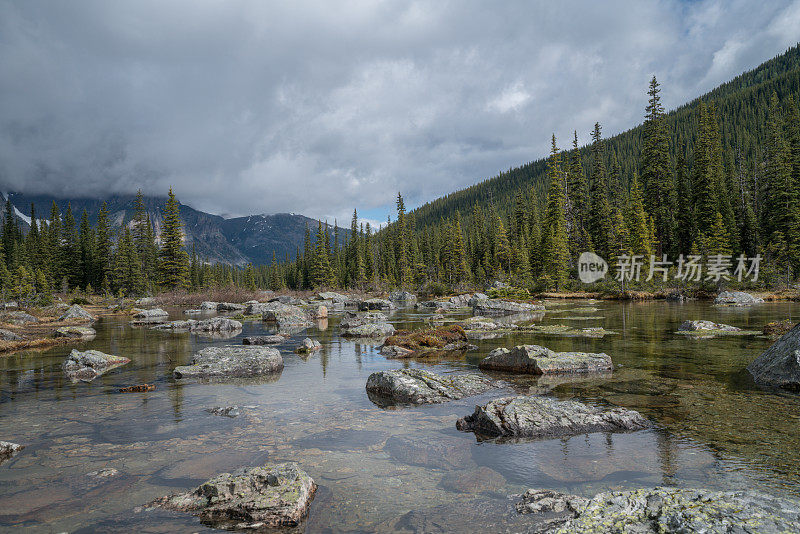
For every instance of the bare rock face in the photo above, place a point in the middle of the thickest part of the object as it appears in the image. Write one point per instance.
(8, 449)
(76, 313)
(273, 495)
(544, 417)
(779, 365)
(80, 332)
(502, 307)
(88, 365)
(232, 362)
(736, 298)
(537, 360)
(418, 386)
(660, 510)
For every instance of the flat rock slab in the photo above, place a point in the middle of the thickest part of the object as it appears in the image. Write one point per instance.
(216, 324)
(75, 332)
(88, 365)
(231, 362)
(8, 450)
(537, 360)
(76, 313)
(660, 510)
(736, 298)
(779, 365)
(545, 417)
(19, 317)
(709, 329)
(502, 307)
(274, 495)
(156, 315)
(264, 340)
(418, 386)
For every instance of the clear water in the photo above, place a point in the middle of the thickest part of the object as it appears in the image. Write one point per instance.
(714, 428)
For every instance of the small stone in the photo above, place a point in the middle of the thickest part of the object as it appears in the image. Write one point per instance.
(8, 450)
(308, 345)
(226, 411)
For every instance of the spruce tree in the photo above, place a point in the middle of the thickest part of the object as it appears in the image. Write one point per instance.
(555, 243)
(173, 260)
(600, 217)
(637, 220)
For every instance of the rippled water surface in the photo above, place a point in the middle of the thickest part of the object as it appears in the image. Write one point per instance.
(714, 428)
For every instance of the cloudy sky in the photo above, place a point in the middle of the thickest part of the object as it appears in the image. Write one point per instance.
(318, 107)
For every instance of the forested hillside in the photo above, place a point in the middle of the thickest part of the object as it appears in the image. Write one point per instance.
(718, 178)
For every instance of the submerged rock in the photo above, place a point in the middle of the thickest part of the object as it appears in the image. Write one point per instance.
(308, 346)
(8, 450)
(778, 328)
(156, 315)
(418, 386)
(225, 411)
(502, 307)
(264, 340)
(736, 298)
(375, 304)
(537, 360)
(286, 316)
(443, 452)
(659, 510)
(779, 365)
(19, 317)
(76, 313)
(75, 332)
(545, 417)
(274, 495)
(480, 480)
(90, 364)
(235, 361)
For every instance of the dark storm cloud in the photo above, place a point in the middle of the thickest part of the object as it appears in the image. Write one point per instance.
(319, 107)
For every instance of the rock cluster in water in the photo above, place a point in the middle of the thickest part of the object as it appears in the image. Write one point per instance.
(537, 360)
(545, 417)
(269, 496)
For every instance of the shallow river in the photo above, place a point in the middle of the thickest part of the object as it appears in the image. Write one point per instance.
(714, 428)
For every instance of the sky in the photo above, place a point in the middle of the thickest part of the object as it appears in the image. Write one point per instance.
(320, 107)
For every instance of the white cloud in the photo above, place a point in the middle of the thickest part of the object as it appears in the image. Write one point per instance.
(251, 106)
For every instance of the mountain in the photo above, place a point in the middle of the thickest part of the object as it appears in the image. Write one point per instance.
(235, 241)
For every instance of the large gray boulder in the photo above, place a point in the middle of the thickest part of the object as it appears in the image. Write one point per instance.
(88, 365)
(76, 313)
(537, 360)
(435, 305)
(230, 306)
(155, 315)
(545, 417)
(231, 362)
(370, 324)
(461, 301)
(418, 386)
(8, 449)
(502, 307)
(664, 510)
(215, 324)
(78, 332)
(209, 306)
(736, 298)
(270, 496)
(779, 365)
(286, 316)
(8, 335)
(255, 308)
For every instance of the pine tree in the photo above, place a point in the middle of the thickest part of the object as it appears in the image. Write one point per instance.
(86, 247)
(656, 173)
(555, 243)
(322, 274)
(637, 219)
(103, 247)
(718, 240)
(403, 265)
(600, 217)
(704, 182)
(71, 260)
(173, 260)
